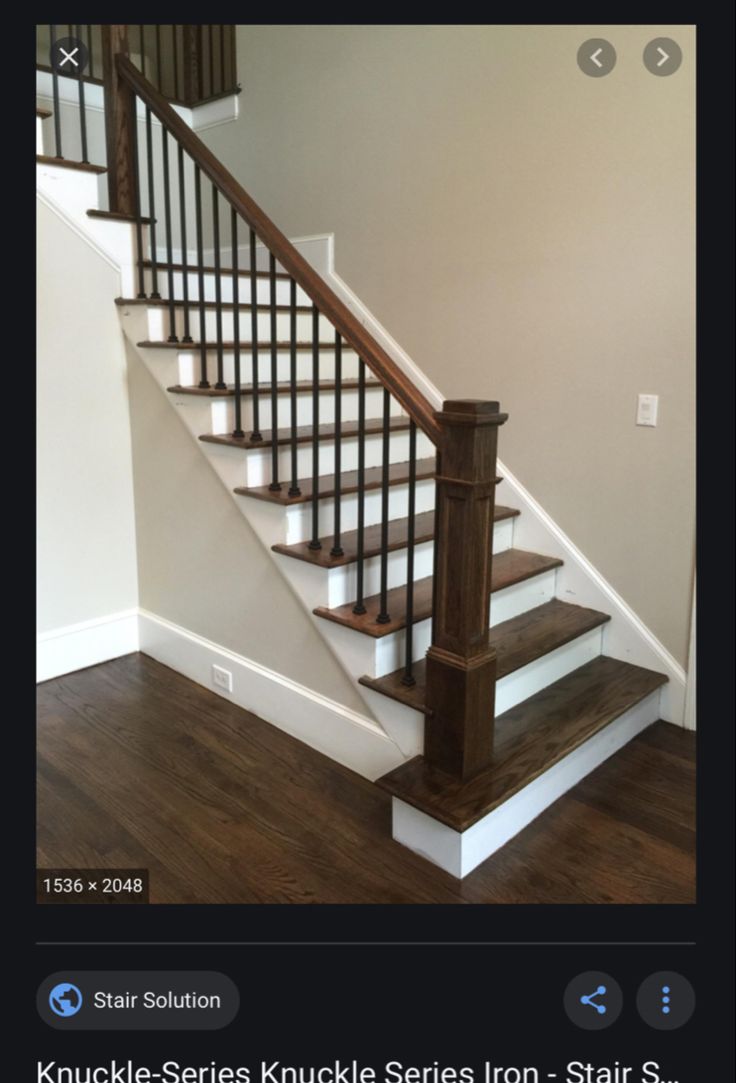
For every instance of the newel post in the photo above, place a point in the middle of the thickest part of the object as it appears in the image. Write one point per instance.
(461, 667)
(119, 123)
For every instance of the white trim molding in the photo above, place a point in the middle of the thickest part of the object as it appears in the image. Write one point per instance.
(77, 646)
(344, 735)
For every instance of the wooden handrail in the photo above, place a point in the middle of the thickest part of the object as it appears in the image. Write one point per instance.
(329, 304)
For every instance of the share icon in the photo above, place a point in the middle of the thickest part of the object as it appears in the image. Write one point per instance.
(589, 998)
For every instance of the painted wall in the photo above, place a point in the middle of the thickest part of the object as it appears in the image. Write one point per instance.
(527, 234)
(201, 565)
(86, 531)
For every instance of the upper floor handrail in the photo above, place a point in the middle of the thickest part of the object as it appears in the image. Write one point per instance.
(419, 408)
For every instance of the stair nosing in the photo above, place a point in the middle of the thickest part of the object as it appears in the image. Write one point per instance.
(211, 347)
(305, 434)
(425, 472)
(162, 302)
(68, 163)
(366, 624)
(412, 695)
(409, 782)
(318, 558)
(282, 388)
(193, 268)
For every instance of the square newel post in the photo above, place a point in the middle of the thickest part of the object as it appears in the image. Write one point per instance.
(461, 667)
(119, 123)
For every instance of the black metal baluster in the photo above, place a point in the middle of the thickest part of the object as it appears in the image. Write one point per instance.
(55, 93)
(203, 381)
(256, 435)
(220, 384)
(142, 40)
(159, 73)
(174, 43)
(91, 52)
(408, 677)
(200, 62)
(151, 209)
(383, 615)
(167, 222)
(138, 211)
(238, 430)
(337, 549)
(187, 336)
(294, 489)
(315, 543)
(222, 57)
(211, 50)
(275, 483)
(359, 607)
(82, 110)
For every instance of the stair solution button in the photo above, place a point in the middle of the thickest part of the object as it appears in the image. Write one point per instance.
(666, 1000)
(138, 1000)
(593, 1000)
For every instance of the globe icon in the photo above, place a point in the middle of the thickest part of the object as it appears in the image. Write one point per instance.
(65, 999)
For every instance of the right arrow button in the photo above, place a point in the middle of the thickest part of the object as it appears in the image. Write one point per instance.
(662, 56)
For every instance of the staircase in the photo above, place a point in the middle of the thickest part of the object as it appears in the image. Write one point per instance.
(379, 510)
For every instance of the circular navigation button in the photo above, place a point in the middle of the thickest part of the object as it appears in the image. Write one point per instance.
(662, 56)
(593, 1000)
(596, 57)
(665, 1000)
(69, 56)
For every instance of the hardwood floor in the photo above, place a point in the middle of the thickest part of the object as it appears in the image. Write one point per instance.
(138, 766)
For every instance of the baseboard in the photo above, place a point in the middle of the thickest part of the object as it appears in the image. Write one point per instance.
(460, 852)
(77, 646)
(349, 738)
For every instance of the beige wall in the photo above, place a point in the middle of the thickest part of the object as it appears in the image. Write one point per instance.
(201, 565)
(86, 529)
(526, 233)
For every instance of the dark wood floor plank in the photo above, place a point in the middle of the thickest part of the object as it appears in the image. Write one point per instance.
(140, 767)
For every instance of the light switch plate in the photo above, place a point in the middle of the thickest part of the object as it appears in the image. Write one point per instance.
(646, 411)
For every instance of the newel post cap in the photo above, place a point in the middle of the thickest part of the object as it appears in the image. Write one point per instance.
(473, 412)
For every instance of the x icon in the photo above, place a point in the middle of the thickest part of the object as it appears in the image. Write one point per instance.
(68, 56)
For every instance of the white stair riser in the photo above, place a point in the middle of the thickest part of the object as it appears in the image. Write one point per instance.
(223, 410)
(299, 516)
(551, 667)
(74, 190)
(520, 597)
(159, 328)
(263, 289)
(257, 469)
(461, 852)
(341, 584)
(190, 365)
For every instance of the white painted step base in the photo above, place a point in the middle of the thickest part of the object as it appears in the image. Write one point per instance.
(459, 852)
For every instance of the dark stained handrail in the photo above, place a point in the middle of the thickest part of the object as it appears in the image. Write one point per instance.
(419, 408)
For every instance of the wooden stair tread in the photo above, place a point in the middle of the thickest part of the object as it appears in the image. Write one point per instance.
(517, 642)
(263, 347)
(302, 387)
(398, 535)
(193, 268)
(162, 302)
(43, 113)
(67, 163)
(529, 739)
(116, 216)
(305, 434)
(398, 474)
(511, 566)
